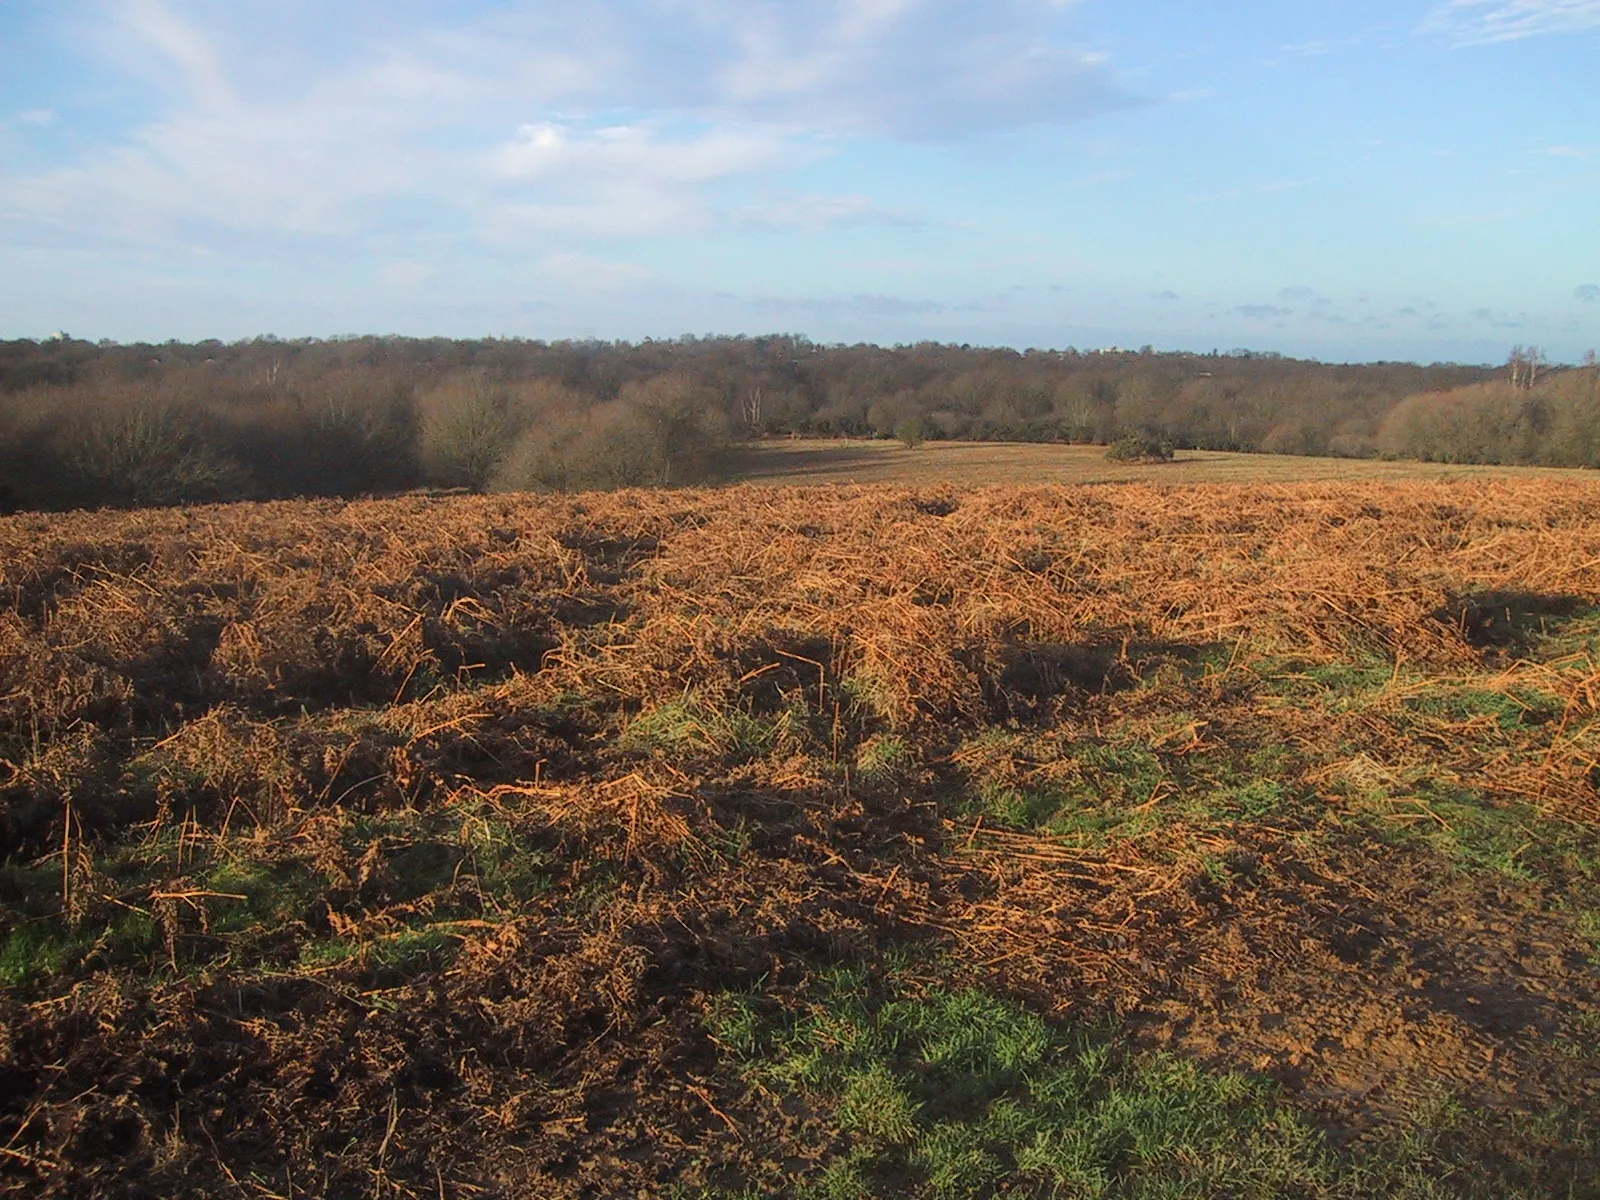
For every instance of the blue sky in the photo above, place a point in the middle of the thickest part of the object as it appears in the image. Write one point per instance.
(1345, 179)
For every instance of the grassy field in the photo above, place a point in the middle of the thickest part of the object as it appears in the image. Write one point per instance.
(808, 462)
(937, 841)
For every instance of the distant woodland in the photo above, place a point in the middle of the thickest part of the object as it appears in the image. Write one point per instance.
(90, 424)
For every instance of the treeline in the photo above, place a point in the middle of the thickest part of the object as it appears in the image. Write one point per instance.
(105, 424)
(1553, 422)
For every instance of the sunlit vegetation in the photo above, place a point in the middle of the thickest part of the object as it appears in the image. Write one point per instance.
(87, 425)
(1120, 841)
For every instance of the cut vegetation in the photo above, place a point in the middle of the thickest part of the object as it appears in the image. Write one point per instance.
(1123, 841)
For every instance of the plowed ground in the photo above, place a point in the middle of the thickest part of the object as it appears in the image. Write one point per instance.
(1116, 840)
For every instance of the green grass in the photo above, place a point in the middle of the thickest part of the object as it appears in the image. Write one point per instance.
(1339, 687)
(1012, 807)
(692, 726)
(951, 1092)
(869, 698)
(1258, 800)
(881, 759)
(1475, 832)
(1588, 922)
(43, 950)
(934, 1092)
(252, 905)
(1517, 709)
(1099, 792)
(406, 951)
(1080, 789)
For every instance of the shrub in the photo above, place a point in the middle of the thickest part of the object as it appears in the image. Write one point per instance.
(143, 451)
(910, 432)
(346, 434)
(1295, 437)
(1143, 447)
(665, 432)
(466, 429)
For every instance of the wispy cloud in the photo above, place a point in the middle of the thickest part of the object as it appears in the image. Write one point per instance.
(1586, 293)
(1261, 312)
(506, 123)
(550, 150)
(1580, 153)
(1474, 22)
(922, 69)
(630, 180)
(181, 43)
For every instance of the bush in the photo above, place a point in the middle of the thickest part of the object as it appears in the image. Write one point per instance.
(1140, 448)
(910, 432)
(466, 430)
(355, 434)
(144, 451)
(664, 432)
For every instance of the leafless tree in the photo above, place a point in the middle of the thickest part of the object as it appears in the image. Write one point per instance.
(1525, 365)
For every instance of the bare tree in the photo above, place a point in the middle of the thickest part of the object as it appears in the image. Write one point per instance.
(1525, 365)
(750, 408)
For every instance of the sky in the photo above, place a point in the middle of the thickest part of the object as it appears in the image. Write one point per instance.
(1340, 179)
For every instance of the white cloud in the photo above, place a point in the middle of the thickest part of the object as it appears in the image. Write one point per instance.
(181, 43)
(923, 69)
(498, 123)
(303, 165)
(630, 180)
(549, 150)
(1472, 22)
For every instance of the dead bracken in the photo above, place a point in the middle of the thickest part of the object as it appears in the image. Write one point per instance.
(663, 843)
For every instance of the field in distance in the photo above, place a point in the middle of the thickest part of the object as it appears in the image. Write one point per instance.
(860, 460)
(838, 842)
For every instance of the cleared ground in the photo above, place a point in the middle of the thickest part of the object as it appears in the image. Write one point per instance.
(808, 461)
(1112, 841)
